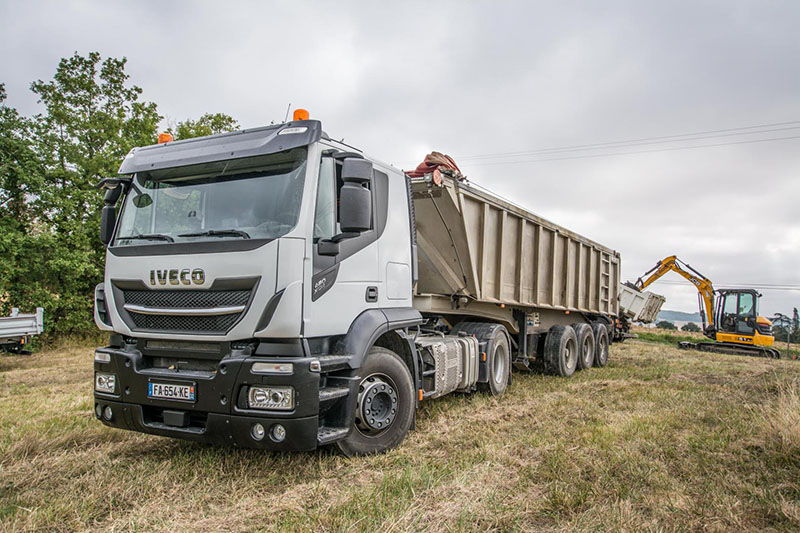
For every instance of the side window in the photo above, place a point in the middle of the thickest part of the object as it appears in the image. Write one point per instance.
(745, 304)
(325, 214)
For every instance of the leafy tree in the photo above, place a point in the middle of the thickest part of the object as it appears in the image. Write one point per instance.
(208, 124)
(691, 327)
(50, 251)
(665, 324)
(92, 117)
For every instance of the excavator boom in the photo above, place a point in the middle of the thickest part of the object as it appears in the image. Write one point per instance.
(704, 287)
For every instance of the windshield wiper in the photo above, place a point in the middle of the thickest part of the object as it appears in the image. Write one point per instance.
(147, 236)
(217, 233)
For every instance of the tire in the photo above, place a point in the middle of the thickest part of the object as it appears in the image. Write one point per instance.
(600, 345)
(382, 368)
(586, 348)
(498, 353)
(560, 351)
(498, 363)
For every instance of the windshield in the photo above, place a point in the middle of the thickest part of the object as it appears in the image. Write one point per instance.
(257, 203)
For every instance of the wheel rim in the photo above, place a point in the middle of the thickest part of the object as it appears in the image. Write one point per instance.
(499, 364)
(569, 354)
(377, 404)
(603, 350)
(587, 351)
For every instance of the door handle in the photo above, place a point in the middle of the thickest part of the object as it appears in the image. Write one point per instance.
(372, 294)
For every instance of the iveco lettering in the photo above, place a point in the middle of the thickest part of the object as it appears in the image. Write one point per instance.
(275, 288)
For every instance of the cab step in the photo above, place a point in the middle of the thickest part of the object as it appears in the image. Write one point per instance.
(326, 435)
(327, 394)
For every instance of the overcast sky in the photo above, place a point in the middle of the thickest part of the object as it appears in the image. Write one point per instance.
(482, 78)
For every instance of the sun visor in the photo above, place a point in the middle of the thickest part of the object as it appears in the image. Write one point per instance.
(222, 147)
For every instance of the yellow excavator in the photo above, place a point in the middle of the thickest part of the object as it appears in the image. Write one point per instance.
(732, 320)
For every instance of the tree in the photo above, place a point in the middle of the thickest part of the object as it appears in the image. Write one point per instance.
(208, 124)
(664, 324)
(691, 327)
(50, 251)
(92, 117)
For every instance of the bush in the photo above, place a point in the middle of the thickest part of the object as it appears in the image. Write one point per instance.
(665, 324)
(691, 327)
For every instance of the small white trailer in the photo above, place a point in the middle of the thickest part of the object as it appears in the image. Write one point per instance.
(639, 306)
(16, 330)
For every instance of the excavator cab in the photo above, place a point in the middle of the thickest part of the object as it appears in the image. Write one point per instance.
(737, 320)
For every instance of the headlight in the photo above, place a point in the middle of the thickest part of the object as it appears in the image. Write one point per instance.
(271, 398)
(105, 383)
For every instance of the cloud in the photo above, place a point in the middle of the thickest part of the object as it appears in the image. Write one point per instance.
(486, 78)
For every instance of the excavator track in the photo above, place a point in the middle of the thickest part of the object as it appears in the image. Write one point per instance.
(731, 349)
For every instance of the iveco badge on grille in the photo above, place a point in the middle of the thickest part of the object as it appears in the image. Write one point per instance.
(175, 276)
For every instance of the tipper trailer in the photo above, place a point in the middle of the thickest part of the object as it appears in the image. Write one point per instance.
(274, 288)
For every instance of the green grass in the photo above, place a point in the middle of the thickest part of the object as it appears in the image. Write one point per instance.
(659, 439)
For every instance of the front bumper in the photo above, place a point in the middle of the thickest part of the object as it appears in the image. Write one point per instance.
(219, 414)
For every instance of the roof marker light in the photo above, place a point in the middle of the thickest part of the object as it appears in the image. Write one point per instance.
(165, 138)
(300, 114)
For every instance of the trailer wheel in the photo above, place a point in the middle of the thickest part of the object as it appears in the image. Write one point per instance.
(385, 405)
(560, 351)
(586, 348)
(601, 345)
(498, 362)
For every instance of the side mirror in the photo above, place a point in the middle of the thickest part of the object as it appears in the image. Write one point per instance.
(355, 200)
(108, 220)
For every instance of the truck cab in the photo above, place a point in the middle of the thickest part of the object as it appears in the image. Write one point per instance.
(238, 266)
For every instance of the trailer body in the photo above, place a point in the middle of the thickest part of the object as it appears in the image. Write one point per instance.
(277, 289)
(17, 329)
(477, 250)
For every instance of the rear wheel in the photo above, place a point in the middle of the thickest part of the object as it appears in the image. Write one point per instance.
(385, 405)
(585, 339)
(560, 351)
(601, 344)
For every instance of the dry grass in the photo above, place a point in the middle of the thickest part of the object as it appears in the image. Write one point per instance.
(661, 439)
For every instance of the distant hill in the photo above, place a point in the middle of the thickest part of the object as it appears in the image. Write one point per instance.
(679, 316)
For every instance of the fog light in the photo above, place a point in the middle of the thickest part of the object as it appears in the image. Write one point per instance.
(277, 433)
(98, 410)
(257, 432)
(280, 398)
(102, 357)
(105, 382)
(108, 414)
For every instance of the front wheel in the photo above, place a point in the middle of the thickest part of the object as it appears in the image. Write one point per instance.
(385, 405)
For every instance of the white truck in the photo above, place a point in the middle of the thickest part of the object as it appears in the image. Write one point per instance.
(16, 330)
(274, 288)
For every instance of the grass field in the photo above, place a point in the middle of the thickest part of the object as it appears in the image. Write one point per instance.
(661, 439)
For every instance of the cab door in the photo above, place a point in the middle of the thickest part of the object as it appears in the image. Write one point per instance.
(342, 286)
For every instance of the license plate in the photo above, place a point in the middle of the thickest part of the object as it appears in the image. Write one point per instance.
(171, 391)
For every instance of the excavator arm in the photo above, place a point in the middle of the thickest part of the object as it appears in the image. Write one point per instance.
(704, 287)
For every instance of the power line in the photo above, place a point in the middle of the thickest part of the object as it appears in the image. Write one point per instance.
(621, 145)
(707, 132)
(591, 156)
(760, 286)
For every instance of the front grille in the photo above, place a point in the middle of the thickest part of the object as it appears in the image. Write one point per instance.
(186, 299)
(183, 299)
